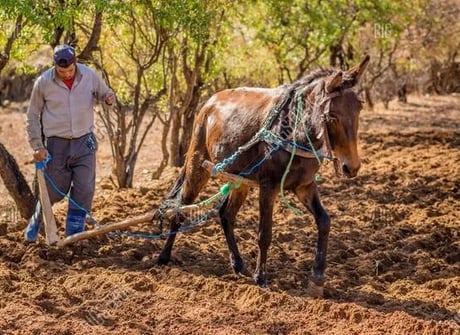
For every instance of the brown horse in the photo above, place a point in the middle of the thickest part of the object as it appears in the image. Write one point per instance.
(318, 111)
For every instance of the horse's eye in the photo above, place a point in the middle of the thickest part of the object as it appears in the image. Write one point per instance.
(332, 119)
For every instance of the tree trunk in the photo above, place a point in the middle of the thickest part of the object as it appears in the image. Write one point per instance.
(94, 38)
(164, 149)
(187, 126)
(5, 55)
(336, 57)
(187, 129)
(368, 95)
(16, 184)
(175, 157)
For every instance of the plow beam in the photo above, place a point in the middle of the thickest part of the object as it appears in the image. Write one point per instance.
(101, 230)
(169, 214)
(107, 228)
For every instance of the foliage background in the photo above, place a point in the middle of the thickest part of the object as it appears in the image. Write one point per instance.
(165, 57)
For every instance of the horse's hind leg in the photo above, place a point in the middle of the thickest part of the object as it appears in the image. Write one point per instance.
(228, 212)
(267, 195)
(194, 180)
(308, 195)
(165, 254)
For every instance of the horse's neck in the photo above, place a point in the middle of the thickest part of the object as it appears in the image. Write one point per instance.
(298, 128)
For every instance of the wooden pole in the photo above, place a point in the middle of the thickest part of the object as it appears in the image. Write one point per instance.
(229, 176)
(47, 209)
(101, 230)
(169, 214)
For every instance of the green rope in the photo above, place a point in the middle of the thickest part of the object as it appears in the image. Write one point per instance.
(284, 200)
(224, 191)
(226, 188)
(312, 147)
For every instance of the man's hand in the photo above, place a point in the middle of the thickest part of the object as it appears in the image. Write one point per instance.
(109, 99)
(40, 155)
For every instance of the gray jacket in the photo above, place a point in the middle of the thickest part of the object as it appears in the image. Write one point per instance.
(62, 112)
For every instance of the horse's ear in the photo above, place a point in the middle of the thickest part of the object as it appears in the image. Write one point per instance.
(353, 75)
(334, 82)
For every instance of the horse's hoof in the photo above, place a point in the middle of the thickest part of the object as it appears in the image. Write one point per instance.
(240, 269)
(242, 272)
(314, 290)
(163, 260)
(261, 280)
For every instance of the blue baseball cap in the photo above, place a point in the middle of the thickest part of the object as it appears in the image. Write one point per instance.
(64, 55)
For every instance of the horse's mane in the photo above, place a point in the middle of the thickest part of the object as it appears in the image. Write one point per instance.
(313, 115)
(312, 76)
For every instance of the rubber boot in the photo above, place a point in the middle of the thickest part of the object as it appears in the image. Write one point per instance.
(75, 221)
(33, 227)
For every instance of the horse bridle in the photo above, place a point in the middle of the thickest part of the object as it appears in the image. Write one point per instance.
(265, 134)
(329, 151)
(327, 144)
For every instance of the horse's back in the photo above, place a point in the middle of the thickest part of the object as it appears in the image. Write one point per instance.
(231, 117)
(242, 102)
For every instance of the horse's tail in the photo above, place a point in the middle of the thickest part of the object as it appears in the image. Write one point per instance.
(197, 145)
(171, 199)
(197, 141)
(177, 186)
(190, 179)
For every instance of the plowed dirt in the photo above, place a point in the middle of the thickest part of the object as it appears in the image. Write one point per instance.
(393, 263)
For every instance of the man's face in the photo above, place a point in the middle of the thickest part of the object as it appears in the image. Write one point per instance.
(66, 73)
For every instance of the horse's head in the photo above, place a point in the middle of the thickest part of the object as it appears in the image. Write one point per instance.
(342, 119)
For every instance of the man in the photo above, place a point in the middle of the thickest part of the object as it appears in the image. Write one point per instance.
(61, 107)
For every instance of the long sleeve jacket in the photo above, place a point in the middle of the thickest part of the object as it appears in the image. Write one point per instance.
(59, 111)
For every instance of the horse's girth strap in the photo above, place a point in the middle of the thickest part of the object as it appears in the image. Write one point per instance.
(298, 152)
(272, 139)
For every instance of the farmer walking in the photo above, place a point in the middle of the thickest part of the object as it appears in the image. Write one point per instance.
(61, 108)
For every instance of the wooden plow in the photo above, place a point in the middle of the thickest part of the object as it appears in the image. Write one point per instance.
(169, 214)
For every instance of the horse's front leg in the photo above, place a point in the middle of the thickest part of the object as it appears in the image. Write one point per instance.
(308, 195)
(267, 194)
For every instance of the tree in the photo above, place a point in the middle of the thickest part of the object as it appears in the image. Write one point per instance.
(164, 51)
(132, 66)
(13, 35)
(437, 28)
(16, 184)
(164, 57)
(190, 54)
(17, 20)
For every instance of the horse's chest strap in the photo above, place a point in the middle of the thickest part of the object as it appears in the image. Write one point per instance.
(289, 146)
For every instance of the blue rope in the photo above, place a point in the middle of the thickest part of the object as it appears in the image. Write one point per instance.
(41, 166)
(219, 167)
(270, 137)
(204, 217)
(50, 180)
(260, 162)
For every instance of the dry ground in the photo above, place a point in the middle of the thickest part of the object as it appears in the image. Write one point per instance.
(394, 251)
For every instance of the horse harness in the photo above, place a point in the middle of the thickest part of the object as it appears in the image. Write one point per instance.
(266, 135)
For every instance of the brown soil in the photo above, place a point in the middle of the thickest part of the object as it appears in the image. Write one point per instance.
(394, 250)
